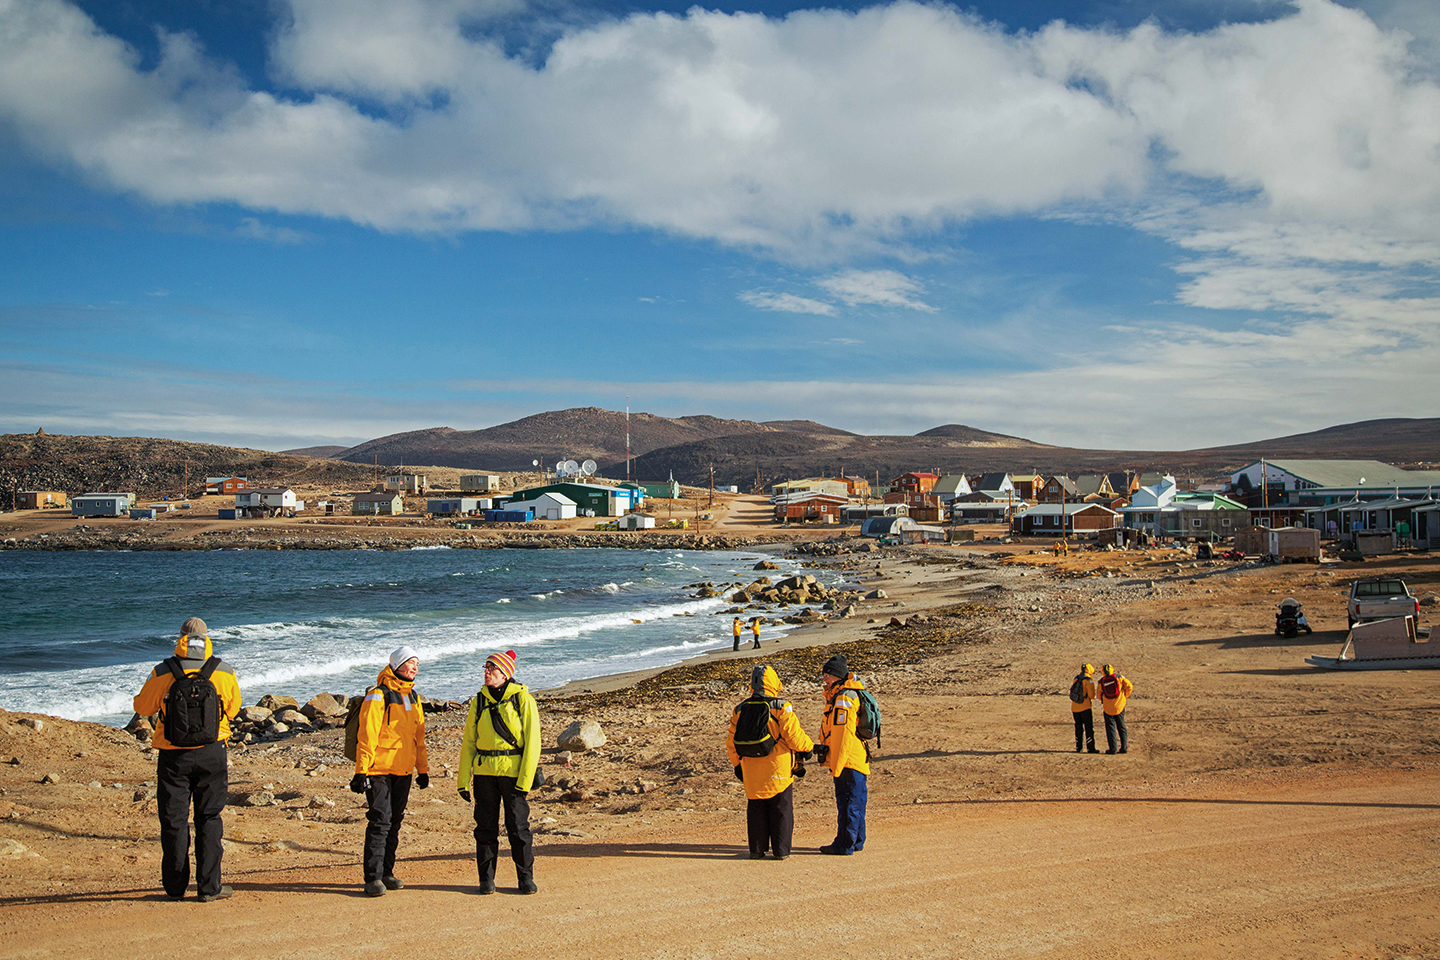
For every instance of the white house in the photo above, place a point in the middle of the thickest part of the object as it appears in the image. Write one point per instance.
(637, 521)
(547, 506)
(950, 486)
(274, 498)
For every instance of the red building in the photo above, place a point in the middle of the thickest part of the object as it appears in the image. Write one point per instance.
(225, 485)
(913, 483)
(809, 506)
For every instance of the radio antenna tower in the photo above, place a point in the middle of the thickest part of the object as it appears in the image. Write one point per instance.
(627, 438)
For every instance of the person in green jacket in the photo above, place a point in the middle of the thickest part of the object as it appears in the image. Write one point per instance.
(499, 755)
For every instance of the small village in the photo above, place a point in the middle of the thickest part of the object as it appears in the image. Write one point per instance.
(1357, 508)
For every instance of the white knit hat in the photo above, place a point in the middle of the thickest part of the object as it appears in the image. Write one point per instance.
(401, 655)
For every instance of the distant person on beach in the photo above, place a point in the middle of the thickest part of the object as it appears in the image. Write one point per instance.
(390, 746)
(735, 628)
(499, 754)
(195, 694)
(841, 749)
(1114, 689)
(1083, 710)
(766, 743)
(755, 632)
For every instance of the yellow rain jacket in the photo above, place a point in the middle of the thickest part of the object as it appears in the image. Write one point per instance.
(1092, 693)
(391, 738)
(151, 698)
(1117, 705)
(771, 775)
(837, 728)
(483, 752)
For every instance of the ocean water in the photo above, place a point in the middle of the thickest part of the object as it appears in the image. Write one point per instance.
(80, 631)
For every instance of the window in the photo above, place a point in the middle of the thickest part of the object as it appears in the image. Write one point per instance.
(1224, 521)
(1195, 523)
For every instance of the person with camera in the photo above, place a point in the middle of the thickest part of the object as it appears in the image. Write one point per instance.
(841, 749)
(766, 744)
(389, 746)
(499, 757)
(195, 694)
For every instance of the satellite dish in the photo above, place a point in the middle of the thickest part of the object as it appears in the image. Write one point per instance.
(571, 467)
(559, 468)
(534, 463)
(589, 467)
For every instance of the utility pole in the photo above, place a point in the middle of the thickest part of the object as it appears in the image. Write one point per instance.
(627, 438)
(711, 504)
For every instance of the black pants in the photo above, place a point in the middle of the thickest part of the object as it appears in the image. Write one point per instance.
(183, 776)
(1112, 724)
(1084, 730)
(771, 822)
(387, 796)
(491, 793)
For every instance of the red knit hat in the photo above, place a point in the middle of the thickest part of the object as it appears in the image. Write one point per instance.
(504, 662)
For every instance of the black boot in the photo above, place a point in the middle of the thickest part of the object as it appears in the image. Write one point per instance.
(485, 864)
(527, 881)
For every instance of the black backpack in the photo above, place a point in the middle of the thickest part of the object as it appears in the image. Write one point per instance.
(192, 706)
(1077, 691)
(352, 717)
(752, 726)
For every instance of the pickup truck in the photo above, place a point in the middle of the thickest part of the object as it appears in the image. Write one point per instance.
(1380, 599)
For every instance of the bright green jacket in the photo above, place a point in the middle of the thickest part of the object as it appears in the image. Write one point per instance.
(483, 752)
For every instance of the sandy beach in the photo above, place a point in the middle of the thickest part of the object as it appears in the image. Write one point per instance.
(1265, 807)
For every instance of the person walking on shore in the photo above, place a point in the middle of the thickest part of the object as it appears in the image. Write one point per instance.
(755, 632)
(1083, 709)
(735, 628)
(841, 749)
(499, 754)
(389, 747)
(196, 694)
(765, 743)
(1114, 690)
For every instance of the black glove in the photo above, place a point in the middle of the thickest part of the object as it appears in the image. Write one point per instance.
(465, 795)
(803, 755)
(822, 750)
(798, 771)
(739, 774)
(357, 783)
(423, 781)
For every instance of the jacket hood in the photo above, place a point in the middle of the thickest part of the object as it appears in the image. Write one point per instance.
(1087, 671)
(387, 678)
(182, 647)
(765, 682)
(512, 688)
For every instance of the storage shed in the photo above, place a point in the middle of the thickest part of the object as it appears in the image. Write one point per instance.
(101, 505)
(546, 506)
(637, 521)
(40, 499)
(479, 482)
(377, 504)
(454, 506)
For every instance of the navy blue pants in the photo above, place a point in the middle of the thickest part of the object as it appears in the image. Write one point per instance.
(1116, 724)
(851, 792)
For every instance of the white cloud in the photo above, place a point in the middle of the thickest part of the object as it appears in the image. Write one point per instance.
(885, 288)
(786, 303)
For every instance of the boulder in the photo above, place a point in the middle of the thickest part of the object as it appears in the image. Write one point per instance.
(581, 735)
(323, 705)
(33, 723)
(765, 565)
(877, 595)
(255, 714)
(272, 703)
(256, 798)
(290, 717)
(739, 596)
(139, 728)
(144, 793)
(13, 850)
(50, 778)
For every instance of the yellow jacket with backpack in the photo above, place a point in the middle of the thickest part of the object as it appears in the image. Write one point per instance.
(837, 728)
(151, 698)
(772, 774)
(1114, 706)
(391, 735)
(485, 751)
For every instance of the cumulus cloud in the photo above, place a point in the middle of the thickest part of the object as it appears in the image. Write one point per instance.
(885, 288)
(787, 303)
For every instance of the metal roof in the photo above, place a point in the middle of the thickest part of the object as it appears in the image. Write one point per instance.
(1349, 473)
(1053, 509)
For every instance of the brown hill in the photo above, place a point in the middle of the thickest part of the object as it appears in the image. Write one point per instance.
(955, 448)
(322, 452)
(579, 433)
(153, 467)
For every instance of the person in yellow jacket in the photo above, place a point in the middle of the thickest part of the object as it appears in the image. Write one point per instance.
(1114, 689)
(755, 632)
(1084, 712)
(735, 628)
(390, 745)
(499, 754)
(841, 749)
(770, 779)
(192, 772)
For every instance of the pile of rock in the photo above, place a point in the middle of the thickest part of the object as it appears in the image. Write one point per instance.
(791, 590)
(276, 717)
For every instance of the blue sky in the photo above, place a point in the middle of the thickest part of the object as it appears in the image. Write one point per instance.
(1126, 224)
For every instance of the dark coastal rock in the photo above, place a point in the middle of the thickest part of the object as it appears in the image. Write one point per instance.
(273, 703)
(322, 705)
